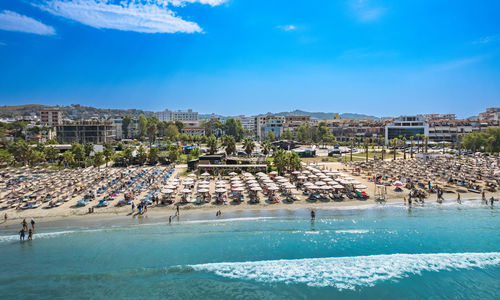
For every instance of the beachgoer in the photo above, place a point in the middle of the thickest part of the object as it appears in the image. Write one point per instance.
(177, 209)
(30, 235)
(5, 217)
(409, 202)
(458, 199)
(484, 198)
(313, 214)
(145, 208)
(404, 200)
(170, 220)
(491, 201)
(133, 206)
(25, 224)
(32, 223)
(22, 233)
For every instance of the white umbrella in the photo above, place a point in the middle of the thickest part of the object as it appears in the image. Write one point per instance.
(186, 191)
(232, 174)
(220, 190)
(203, 191)
(361, 187)
(205, 174)
(238, 189)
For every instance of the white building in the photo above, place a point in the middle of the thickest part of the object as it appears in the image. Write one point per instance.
(118, 129)
(50, 117)
(264, 124)
(183, 116)
(248, 123)
(492, 114)
(406, 126)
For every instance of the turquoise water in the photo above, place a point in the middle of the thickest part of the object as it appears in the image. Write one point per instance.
(439, 252)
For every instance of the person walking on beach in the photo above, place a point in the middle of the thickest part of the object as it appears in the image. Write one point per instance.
(32, 224)
(5, 217)
(133, 207)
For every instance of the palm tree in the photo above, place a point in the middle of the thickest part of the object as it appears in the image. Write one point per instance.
(404, 148)
(426, 139)
(249, 146)
(459, 144)
(383, 147)
(212, 144)
(266, 147)
(230, 144)
(366, 143)
(491, 142)
(418, 142)
(394, 144)
(352, 144)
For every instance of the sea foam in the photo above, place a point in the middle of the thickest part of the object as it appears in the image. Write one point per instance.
(348, 272)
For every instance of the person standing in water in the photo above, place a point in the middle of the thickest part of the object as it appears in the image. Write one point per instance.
(459, 201)
(491, 201)
(30, 235)
(484, 198)
(22, 234)
(313, 214)
(32, 224)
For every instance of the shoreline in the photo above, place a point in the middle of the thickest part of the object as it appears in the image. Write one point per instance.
(207, 214)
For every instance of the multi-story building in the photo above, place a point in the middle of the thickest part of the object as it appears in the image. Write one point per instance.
(344, 129)
(266, 123)
(293, 123)
(118, 129)
(198, 130)
(97, 132)
(406, 126)
(492, 113)
(50, 117)
(248, 124)
(184, 116)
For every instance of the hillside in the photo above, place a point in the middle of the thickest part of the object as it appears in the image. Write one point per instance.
(73, 111)
(323, 115)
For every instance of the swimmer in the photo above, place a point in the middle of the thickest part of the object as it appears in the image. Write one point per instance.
(313, 214)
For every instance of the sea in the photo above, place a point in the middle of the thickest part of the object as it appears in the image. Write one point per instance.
(447, 251)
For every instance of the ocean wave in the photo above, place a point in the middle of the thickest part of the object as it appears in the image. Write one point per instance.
(348, 272)
(354, 231)
(44, 235)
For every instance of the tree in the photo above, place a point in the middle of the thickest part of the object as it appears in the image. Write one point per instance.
(302, 133)
(352, 139)
(151, 129)
(21, 151)
(494, 132)
(212, 144)
(229, 144)
(394, 144)
(142, 124)
(234, 128)
(196, 152)
(403, 141)
(270, 136)
(78, 152)
(426, 139)
(280, 160)
(68, 158)
(249, 146)
(383, 147)
(172, 133)
(366, 143)
(141, 156)
(179, 125)
(128, 156)
(98, 159)
(108, 153)
(153, 156)
(266, 147)
(173, 153)
(287, 135)
(88, 148)
(412, 144)
(294, 161)
(125, 125)
(51, 153)
(6, 157)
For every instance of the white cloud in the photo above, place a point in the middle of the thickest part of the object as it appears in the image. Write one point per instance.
(12, 21)
(365, 12)
(287, 27)
(147, 16)
(487, 40)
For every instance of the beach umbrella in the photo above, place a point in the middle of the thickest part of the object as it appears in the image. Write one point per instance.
(186, 191)
(397, 183)
(361, 187)
(337, 186)
(256, 189)
(191, 175)
(232, 174)
(238, 189)
(203, 191)
(205, 174)
(220, 190)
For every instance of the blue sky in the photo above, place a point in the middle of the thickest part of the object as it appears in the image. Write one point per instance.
(250, 56)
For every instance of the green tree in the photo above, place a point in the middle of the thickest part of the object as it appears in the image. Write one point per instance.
(229, 144)
(68, 158)
(126, 121)
(287, 135)
(212, 144)
(152, 129)
(21, 151)
(153, 156)
(173, 153)
(98, 159)
(394, 144)
(88, 148)
(142, 125)
(141, 156)
(249, 146)
(196, 152)
(234, 128)
(6, 157)
(270, 136)
(366, 143)
(78, 152)
(302, 133)
(51, 153)
(128, 156)
(108, 153)
(172, 133)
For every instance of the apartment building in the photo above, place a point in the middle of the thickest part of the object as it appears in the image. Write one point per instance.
(97, 132)
(50, 117)
(183, 116)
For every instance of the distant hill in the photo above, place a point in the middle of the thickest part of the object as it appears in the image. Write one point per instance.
(323, 115)
(73, 111)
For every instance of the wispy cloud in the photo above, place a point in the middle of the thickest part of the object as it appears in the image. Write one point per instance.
(12, 21)
(457, 63)
(487, 40)
(147, 16)
(287, 27)
(365, 11)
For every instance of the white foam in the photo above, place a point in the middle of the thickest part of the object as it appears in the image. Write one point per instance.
(354, 231)
(43, 235)
(349, 272)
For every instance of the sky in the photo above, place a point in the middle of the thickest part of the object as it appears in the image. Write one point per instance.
(232, 57)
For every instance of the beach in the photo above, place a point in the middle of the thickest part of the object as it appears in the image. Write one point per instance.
(68, 210)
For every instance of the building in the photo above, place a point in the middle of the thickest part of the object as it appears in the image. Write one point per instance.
(406, 126)
(198, 130)
(184, 116)
(50, 117)
(97, 132)
(118, 129)
(266, 123)
(293, 123)
(492, 113)
(248, 124)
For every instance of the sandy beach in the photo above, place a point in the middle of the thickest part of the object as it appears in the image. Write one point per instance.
(68, 210)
